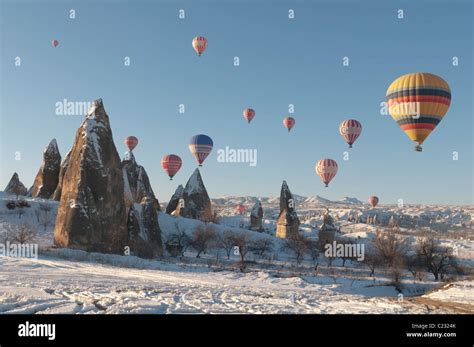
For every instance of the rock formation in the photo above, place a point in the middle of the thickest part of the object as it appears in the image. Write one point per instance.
(62, 171)
(15, 187)
(138, 181)
(144, 234)
(144, 230)
(195, 200)
(92, 214)
(256, 216)
(47, 178)
(327, 232)
(174, 201)
(287, 222)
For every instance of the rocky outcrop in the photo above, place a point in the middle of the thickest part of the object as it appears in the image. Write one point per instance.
(174, 201)
(327, 232)
(62, 171)
(15, 187)
(92, 214)
(195, 200)
(287, 222)
(256, 216)
(138, 181)
(47, 178)
(144, 230)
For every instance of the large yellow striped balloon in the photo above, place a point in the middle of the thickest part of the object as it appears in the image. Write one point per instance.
(418, 102)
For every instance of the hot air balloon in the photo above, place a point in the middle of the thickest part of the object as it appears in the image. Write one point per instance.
(131, 142)
(240, 209)
(289, 122)
(249, 114)
(326, 170)
(55, 43)
(418, 102)
(200, 146)
(171, 163)
(350, 130)
(199, 44)
(373, 200)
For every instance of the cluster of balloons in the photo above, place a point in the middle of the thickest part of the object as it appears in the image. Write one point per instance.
(326, 168)
(199, 145)
(416, 101)
(249, 114)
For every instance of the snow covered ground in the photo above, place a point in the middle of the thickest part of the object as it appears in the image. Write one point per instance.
(54, 285)
(72, 281)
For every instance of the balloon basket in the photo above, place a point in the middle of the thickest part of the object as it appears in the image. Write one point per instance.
(418, 148)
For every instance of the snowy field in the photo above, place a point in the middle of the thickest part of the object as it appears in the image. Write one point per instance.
(71, 281)
(54, 285)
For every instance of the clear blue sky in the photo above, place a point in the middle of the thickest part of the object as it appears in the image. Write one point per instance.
(282, 61)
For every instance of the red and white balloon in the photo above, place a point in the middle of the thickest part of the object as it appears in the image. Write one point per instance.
(326, 170)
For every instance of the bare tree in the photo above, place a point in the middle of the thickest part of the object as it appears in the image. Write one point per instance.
(372, 260)
(45, 217)
(333, 275)
(177, 242)
(347, 256)
(17, 190)
(21, 212)
(436, 258)
(314, 253)
(37, 214)
(261, 246)
(215, 218)
(297, 244)
(392, 250)
(226, 241)
(414, 264)
(390, 247)
(242, 243)
(21, 233)
(202, 238)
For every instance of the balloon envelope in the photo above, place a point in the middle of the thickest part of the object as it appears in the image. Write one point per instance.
(199, 44)
(131, 142)
(55, 43)
(418, 102)
(240, 209)
(289, 122)
(249, 114)
(171, 163)
(373, 200)
(326, 170)
(350, 130)
(200, 146)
